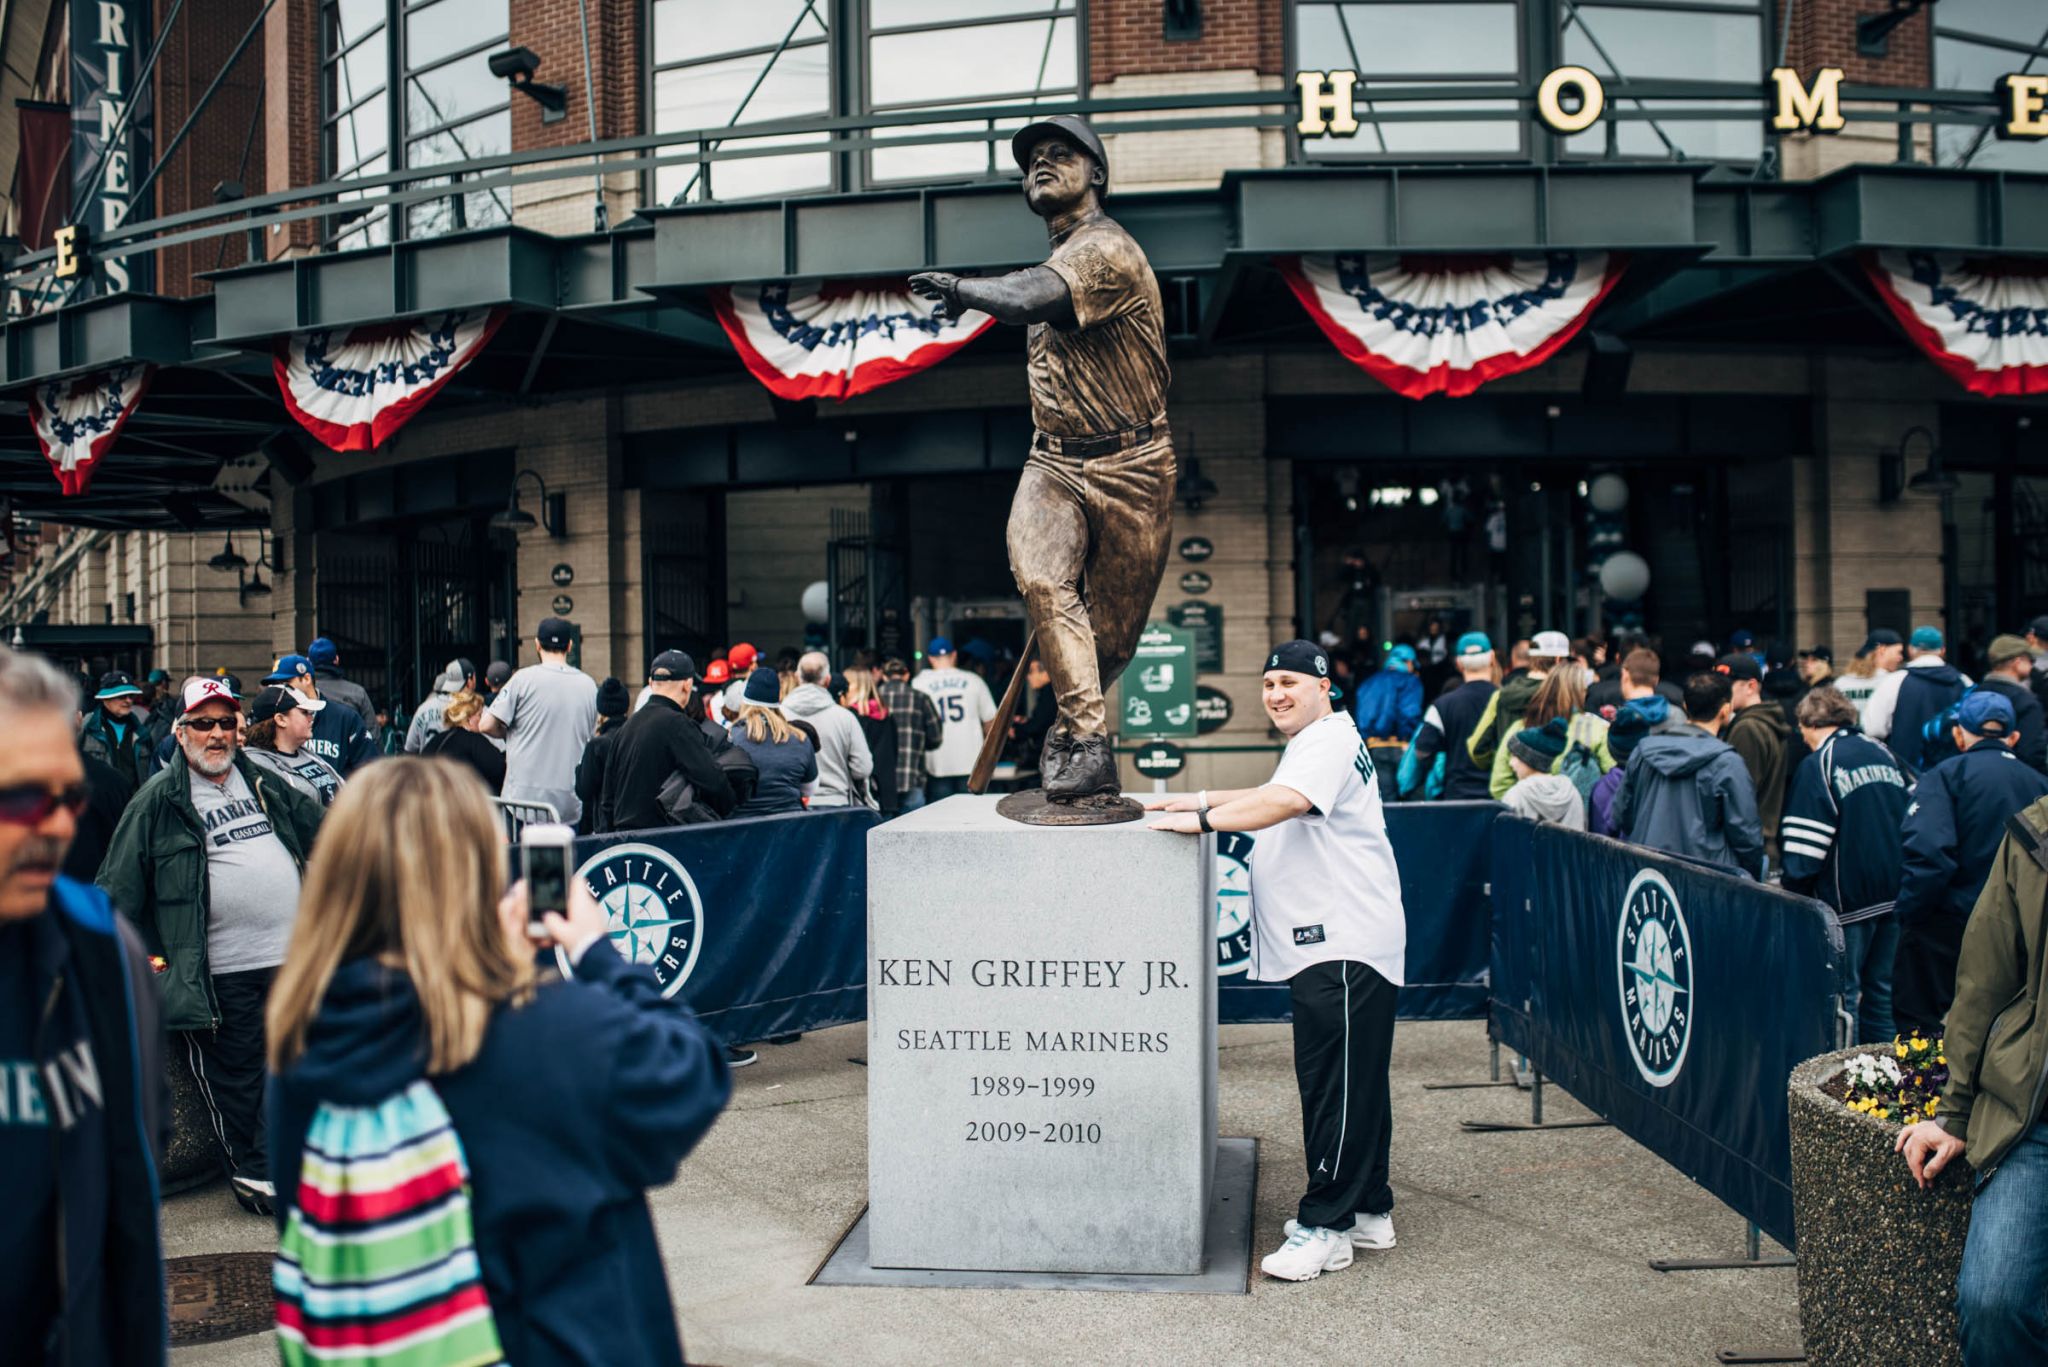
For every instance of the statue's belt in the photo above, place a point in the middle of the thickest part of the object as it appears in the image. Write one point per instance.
(1108, 444)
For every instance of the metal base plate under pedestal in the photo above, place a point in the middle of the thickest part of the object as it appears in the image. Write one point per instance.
(1033, 808)
(1226, 1250)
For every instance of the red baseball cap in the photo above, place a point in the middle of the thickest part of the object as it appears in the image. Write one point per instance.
(717, 672)
(742, 657)
(210, 690)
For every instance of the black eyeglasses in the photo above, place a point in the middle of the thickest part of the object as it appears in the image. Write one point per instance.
(30, 804)
(204, 724)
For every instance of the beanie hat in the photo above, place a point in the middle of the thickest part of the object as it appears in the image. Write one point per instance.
(1539, 747)
(612, 699)
(764, 688)
(1628, 727)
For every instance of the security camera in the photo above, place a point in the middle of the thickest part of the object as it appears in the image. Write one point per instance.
(517, 65)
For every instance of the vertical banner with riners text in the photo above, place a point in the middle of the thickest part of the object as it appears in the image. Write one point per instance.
(110, 41)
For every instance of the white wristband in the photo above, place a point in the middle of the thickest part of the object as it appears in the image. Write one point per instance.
(1202, 798)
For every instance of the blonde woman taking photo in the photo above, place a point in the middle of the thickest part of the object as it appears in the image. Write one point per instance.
(411, 975)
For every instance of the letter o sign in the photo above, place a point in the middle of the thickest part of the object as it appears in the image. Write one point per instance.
(1592, 100)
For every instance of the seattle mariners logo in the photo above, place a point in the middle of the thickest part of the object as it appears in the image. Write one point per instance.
(656, 916)
(1653, 952)
(1233, 902)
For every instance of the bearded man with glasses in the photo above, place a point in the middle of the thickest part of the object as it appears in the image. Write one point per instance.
(206, 861)
(83, 1100)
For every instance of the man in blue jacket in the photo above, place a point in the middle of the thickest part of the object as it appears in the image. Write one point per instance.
(1390, 700)
(1950, 835)
(1841, 834)
(83, 1100)
(1687, 793)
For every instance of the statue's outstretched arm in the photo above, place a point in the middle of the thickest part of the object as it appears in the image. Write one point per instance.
(1032, 295)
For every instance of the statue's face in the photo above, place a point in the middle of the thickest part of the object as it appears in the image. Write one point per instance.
(1059, 176)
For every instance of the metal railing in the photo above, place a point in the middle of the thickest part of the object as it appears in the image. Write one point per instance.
(703, 148)
(517, 816)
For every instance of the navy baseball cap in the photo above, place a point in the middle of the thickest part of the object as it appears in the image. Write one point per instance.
(1299, 657)
(1742, 640)
(289, 667)
(1985, 713)
(1740, 664)
(553, 633)
(116, 685)
(938, 645)
(1882, 636)
(671, 665)
(322, 652)
(1925, 638)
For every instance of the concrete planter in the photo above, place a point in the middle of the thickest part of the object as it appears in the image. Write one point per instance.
(1877, 1256)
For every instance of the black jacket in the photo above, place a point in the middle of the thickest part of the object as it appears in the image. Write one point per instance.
(1841, 827)
(2028, 720)
(1952, 829)
(110, 794)
(577, 1103)
(95, 985)
(1438, 765)
(468, 747)
(590, 776)
(657, 743)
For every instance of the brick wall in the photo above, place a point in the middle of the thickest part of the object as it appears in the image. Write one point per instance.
(1127, 37)
(1824, 34)
(291, 112)
(197, 48)
(554, 30)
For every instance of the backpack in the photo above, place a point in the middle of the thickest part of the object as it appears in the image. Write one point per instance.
(1579, 764)
(377, 1262)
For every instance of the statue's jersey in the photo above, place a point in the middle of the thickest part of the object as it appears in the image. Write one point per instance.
(1107, 373)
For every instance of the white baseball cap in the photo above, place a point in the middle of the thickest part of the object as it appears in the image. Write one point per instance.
(210, 690)
(1555, 644)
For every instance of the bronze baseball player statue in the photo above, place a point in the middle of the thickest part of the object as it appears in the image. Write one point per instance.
(1093, 510)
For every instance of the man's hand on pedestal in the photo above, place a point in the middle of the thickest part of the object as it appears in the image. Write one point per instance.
(943, 286)
(1186, 802)
(1178, 823)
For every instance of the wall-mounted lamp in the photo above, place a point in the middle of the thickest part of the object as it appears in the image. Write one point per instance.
(515, 519)
(1932, 478)
(229, 559)
(517, 65)
(1874, 31)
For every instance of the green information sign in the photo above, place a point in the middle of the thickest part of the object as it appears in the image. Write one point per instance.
(1205, 620)
(1159, 687)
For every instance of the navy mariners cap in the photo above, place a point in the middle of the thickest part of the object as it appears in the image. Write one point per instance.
(938, 645)
(116, 685)
(1300, 657)
(289, 667)
(553, 634)
(671, 665)
(1985, 713)
(322, 651)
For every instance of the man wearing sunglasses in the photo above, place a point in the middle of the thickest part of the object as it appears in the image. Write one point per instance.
(83, 1101)
(207, 861)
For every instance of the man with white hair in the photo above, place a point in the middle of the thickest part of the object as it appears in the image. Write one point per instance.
(84, 1108)
(844, 760)
(206, 862)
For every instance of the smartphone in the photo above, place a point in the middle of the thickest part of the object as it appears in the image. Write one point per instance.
(544, 862)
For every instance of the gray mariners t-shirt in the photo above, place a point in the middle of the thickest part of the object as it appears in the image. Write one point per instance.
(549, 712)
(252, 881)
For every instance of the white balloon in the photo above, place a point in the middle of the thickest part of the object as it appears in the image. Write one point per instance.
(1608, 493)
(1624, 575)
(817, 602)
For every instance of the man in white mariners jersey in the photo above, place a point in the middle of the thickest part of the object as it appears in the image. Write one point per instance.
(1327, 921)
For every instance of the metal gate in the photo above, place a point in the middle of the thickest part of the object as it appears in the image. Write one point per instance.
(399, 608)
(867, 589)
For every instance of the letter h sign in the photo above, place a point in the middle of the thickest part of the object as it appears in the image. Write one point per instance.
(1326, 104)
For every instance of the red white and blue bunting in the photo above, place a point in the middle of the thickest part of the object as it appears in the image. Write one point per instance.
(77, 420)
(1983, 319)
(1426, 325)
(354, 387)
(809, 339)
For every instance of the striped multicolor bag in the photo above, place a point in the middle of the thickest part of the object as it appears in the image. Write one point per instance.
(378, 1262)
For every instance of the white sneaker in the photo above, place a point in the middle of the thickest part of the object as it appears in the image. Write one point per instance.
(1368, 1231)
(1308, 1254)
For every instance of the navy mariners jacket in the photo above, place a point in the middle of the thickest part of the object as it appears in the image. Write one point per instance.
(96, 995)
(577, 1103)
(1841, 825)
(1954, 825)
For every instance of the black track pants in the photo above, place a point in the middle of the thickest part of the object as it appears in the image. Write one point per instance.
(1343, 1043)
(228, 1064)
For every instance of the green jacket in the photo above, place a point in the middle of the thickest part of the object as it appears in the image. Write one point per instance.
(1997, 1031)
(1587, 729)
(1501, 719)
(155, 872)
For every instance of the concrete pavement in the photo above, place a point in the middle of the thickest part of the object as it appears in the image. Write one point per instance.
(1514, 1248)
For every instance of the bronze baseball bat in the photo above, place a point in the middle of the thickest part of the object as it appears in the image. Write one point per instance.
(999, 729)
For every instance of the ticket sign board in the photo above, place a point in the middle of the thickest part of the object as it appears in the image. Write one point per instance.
(1159, 687)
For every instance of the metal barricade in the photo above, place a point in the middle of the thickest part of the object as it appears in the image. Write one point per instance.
(518, 815)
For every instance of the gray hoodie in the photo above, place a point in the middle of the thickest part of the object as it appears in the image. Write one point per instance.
(843, 754)
(1687, 793)
(1549, 798)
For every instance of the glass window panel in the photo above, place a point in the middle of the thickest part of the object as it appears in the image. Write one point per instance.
(1496, 136)
(349, 20)
(1667, 43)
(361, 132)
(2019, 21)
(749, 177)
(926, 67)
(485, 137)
(1738, 139)
(451, 26)
(1974, 66)
(357, 74)
(481, 209)
(453, 91)
(900, 13)
(709, 95)
(1410, 39)
(942, 160)
(685, 30)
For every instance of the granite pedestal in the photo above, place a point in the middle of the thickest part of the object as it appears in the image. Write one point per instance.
(1041, 1044)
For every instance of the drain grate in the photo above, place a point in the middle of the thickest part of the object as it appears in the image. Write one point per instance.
(218, 1296)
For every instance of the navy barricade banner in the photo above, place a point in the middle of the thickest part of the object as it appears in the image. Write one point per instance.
(1669, 998)
(1442, 849)
(760, 925)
